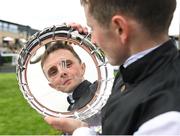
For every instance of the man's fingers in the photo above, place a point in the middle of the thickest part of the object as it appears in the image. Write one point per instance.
(49, 120)
(79, 28)
(55, 122)
(67, 125)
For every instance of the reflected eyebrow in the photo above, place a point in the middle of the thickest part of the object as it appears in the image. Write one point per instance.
(69, 61)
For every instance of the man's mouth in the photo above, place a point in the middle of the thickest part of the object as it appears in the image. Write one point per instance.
(66, 82)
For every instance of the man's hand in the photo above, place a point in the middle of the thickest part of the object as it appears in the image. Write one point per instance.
(67, 125)
(79, 28)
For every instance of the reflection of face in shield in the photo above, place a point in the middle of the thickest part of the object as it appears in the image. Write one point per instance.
(63, 70)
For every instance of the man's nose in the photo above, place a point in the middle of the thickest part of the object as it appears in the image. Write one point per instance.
(62, 72)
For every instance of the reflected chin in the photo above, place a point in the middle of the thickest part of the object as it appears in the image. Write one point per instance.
(66, 89)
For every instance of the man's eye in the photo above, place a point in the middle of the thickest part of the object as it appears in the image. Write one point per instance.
(52, 72)
(68, 64)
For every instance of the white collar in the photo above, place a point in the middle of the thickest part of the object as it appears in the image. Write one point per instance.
(137, 56)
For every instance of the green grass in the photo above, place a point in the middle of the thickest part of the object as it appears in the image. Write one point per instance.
(16, 115)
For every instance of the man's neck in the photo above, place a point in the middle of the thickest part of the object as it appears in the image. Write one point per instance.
(141, 50)
(147, 43)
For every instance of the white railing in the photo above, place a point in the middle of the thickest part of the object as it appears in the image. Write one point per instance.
(13, 55)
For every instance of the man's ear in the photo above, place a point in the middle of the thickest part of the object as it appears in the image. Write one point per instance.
(121, 27)
(83, 66)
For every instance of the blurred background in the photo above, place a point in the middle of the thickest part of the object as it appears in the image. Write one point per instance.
(19, 20)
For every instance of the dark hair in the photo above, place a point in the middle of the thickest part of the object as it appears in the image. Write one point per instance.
(56, 46)
(154, 15)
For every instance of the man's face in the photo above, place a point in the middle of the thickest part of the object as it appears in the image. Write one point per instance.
(63, 70)
(107, 39)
